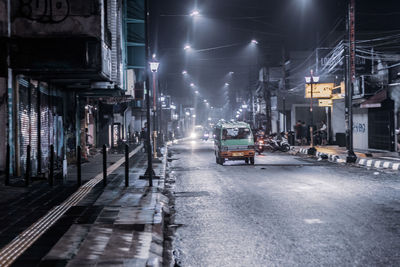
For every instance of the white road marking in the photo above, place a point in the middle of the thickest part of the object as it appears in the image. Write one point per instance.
(313, 221)
(386, 164)
(377, 164)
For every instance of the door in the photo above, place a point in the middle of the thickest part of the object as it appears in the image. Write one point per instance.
(380, 129)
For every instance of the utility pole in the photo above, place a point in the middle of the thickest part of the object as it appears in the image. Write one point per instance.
(350, 76)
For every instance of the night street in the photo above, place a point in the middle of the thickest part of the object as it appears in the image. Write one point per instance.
(174, 133)
(284, 211)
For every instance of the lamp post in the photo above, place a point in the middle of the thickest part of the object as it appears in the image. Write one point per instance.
(311, 80)
(154, 67)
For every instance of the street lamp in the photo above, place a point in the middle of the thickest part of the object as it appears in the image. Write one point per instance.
(254, 41)
(195, 13)
(191, 84)
(184, 72)
(311, 80)
(154, 67)
(187, 47)
(196, 92)
(226, 84)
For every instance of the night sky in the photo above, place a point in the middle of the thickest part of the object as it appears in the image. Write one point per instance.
(221, 37)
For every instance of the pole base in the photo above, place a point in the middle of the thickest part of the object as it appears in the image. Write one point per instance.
(157, 160)
(311, 151)
(351, 157)
(146, 175)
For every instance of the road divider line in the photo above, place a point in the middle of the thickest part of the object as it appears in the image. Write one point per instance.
(14, 249)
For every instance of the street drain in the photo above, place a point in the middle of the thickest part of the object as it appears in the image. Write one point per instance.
(192, 194)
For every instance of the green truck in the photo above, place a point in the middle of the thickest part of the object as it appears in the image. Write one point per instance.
(233, 141)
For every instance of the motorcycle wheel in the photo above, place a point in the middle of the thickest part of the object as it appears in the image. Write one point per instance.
(246, 160)
(285, 148)
(252, 160)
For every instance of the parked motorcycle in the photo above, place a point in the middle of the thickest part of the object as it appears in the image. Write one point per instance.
(277, 144)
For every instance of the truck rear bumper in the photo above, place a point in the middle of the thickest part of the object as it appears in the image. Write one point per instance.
(232, 155)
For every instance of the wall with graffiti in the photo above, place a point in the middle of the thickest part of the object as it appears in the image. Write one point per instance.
(44, 17)
(360, 128)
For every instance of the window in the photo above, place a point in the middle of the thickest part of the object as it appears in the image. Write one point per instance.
(236, 133)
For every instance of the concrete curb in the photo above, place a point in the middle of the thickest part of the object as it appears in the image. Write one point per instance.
(378, 164)
(372, 163)
(156, 248)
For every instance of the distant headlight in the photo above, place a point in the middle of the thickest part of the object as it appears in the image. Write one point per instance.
(193, 135)
(205, 135)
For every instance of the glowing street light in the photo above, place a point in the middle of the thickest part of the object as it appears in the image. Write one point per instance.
(231, 73)
(191, 84)
(226, 84)
(154, 66)
(187, 47)
(205, 100)
(195, 13)
(244, 106)
(311, 80)
(196, 92)
(154, 56)
(254, 41)
(184, 72)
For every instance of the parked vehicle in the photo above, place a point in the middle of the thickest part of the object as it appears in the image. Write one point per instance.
(278, 143)
(233, 141)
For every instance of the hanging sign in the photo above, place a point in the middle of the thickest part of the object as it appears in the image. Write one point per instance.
(320, 90)
(325, 102)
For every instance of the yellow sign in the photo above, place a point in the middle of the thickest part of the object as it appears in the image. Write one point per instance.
(337, 96)
(320, 90)
(325, 102)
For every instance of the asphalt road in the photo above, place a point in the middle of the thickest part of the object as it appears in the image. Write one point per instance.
(284, 211)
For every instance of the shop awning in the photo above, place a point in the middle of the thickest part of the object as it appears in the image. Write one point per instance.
(376, 100)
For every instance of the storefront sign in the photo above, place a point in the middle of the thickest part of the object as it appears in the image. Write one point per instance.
(325, 102)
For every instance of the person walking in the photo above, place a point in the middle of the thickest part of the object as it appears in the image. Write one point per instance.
(323, 132)
(305, 133)
(299, 132)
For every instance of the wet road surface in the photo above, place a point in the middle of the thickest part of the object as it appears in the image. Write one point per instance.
(284, 211)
